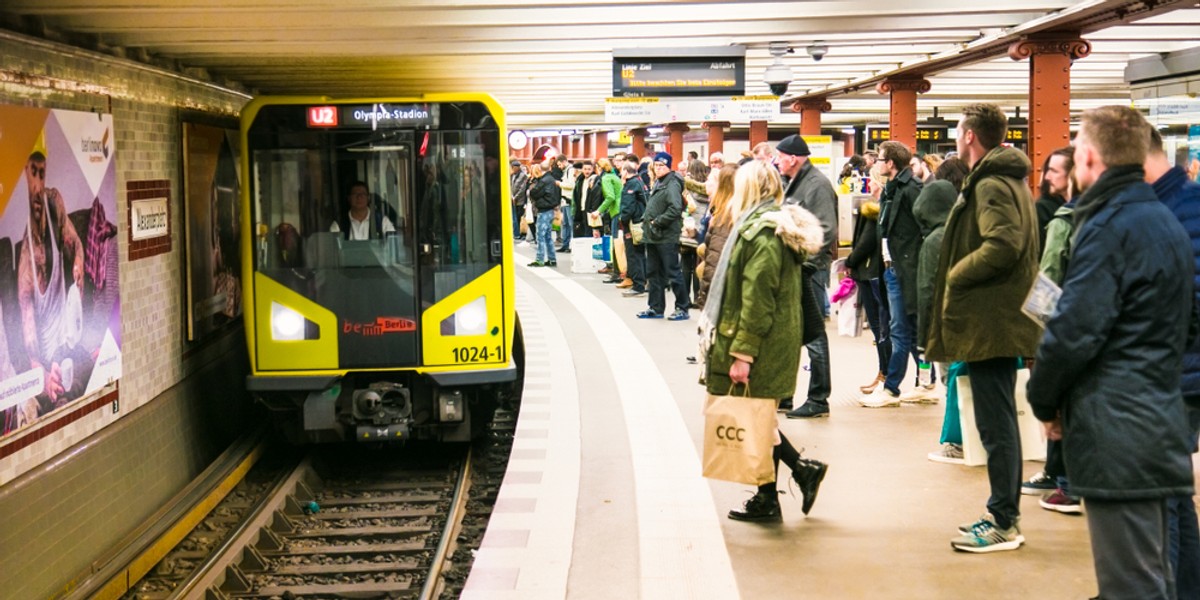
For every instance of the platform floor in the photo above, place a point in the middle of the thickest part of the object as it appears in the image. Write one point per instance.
(604, 497)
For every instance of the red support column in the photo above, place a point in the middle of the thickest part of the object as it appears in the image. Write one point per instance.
(601, 143)
(589, 140)
(716, 136)
(676, 130)
(810, 114)
(1050, 57)
(902, 119)
(758, 133)
(848, 148)
(564, 142)
(639, 141)
(576, 146)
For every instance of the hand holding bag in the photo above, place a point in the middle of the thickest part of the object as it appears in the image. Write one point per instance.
(740, 433)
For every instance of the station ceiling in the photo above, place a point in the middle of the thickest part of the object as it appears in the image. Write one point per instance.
(550, 62)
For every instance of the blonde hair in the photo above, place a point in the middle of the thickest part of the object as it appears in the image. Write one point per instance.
(720, 199)
(536, 170)
(604, 164)
(755, 182)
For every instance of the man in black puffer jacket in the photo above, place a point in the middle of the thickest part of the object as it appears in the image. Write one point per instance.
(1107, 374)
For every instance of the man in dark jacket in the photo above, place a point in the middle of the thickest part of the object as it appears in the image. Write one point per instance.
(1182, 197)
(1107, 374)
(544, 195)
(663, 222)
(900, 239)
(808, 188)
(988, 263)
(518, 184)
(578, 198)
(633, 206)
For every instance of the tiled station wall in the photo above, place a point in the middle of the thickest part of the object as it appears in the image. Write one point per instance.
(123, 464)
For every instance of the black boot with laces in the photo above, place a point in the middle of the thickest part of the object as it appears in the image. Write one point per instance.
(763, 507)
(808, 474)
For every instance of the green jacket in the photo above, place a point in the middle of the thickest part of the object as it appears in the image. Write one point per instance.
(760, 314)
(930, 210)
(612, 194)
(1058, 243)
(988, 263)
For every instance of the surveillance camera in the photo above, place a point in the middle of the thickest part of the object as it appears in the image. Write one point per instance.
(818, 51)
(777, 77)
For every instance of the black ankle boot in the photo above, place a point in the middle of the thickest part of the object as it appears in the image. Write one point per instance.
(760, 508)
(808, 475)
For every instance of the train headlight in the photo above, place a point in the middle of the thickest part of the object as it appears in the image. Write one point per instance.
(471, 319)
(286, 324)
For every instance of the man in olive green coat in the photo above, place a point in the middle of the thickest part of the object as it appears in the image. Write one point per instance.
(989, 261)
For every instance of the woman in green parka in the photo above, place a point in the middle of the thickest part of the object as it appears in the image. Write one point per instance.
(751, 328)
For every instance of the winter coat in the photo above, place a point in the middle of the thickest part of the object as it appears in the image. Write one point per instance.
(866, 259)
(633, 200)
(1046, 207)
(898, 226)
(1182, 197)
(989, 261)
(664, 211)
(811, 190)
(760, 315)
(544, 193)
(1110, 360)
(1057, 252)
(519, 186)
(930, 210)
(611, 186)
(593, 194)
(715, 238)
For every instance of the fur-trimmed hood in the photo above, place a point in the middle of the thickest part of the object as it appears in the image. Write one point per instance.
(869, 210)
(799, 229)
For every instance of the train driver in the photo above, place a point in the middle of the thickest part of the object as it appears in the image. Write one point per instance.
(362, 222)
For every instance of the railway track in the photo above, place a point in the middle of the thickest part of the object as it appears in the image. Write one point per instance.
(346, 522)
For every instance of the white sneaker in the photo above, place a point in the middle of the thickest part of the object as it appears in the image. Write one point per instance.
(927, 394)
(951, 454)
(880, 398)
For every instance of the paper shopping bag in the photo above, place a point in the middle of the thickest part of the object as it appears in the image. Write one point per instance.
(1033, 443)
(618, 250)
(739, 436)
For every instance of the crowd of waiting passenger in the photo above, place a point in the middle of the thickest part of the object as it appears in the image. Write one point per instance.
(944, 255)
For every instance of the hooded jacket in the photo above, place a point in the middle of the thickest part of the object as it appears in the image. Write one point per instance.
(989, 261)
(544, 193)
(715, 238)
(1110, 360)
(930, 210)
(760, 307)
(664, 211)
(866, 258)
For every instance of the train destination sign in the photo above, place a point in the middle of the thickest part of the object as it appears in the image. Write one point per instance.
(666, 72)
(373, 116)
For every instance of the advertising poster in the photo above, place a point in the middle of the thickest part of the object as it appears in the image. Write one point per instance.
(212, 203)
(60, 313)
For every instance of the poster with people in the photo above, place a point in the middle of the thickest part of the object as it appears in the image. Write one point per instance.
(213, 207)
(60, 313)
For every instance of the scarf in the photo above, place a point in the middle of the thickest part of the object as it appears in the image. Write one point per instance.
(1110, 182)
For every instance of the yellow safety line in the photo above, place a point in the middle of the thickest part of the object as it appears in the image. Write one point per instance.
(138, 567)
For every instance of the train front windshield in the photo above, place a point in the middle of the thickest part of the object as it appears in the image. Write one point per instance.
(375, 212)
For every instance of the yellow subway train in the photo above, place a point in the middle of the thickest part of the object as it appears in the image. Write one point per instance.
(378, 267)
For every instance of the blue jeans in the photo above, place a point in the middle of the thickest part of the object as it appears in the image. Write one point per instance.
(820, 382)
(545, 236)
(567, 229)
(874, 303)
(820, 281)
(902, 331)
